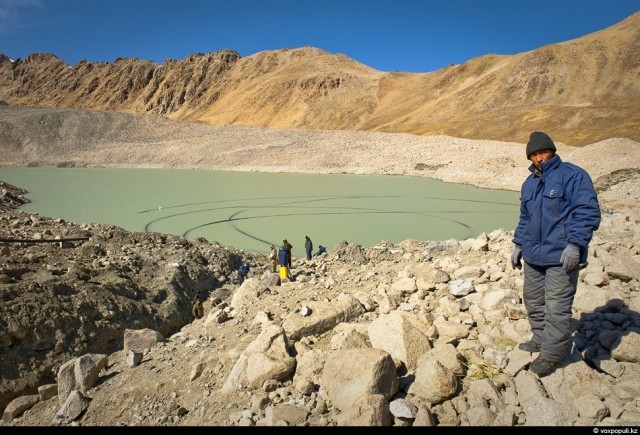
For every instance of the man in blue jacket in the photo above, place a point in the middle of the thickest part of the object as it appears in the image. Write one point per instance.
(559, 211)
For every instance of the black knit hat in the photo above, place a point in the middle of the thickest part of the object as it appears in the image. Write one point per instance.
(539, 141)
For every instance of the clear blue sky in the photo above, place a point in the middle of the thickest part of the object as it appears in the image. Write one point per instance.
(388, 35)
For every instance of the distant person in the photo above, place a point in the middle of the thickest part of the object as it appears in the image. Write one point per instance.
(321, 250)
(283, 255)
(284, 259)
(308, 246)
(559, 211)
(273, 257)
(289, 248)
(243, 271)
(196, 307)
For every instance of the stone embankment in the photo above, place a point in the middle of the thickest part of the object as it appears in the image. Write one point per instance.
(418, 333)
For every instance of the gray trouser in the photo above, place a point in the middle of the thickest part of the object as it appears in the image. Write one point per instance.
(548, 295)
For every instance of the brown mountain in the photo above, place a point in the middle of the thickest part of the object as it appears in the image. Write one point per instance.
(582, 91)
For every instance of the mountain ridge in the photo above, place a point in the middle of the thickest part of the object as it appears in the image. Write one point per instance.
(583, 90)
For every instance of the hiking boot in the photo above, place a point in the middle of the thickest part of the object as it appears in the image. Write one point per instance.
(542, 367)
(529, 346)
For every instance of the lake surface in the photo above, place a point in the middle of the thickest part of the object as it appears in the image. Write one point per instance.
(251, 210)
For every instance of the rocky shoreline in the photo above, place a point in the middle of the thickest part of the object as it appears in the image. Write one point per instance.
(446, 315)
(418, 333)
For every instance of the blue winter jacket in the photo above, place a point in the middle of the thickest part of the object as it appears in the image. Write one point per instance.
(557, 206)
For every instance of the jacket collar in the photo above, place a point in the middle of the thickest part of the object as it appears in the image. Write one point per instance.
(550, 164)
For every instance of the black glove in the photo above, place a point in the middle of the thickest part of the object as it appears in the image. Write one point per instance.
(516, 257)
(570, 257)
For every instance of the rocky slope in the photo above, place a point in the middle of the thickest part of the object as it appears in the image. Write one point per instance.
(282, 353)
(348, 341)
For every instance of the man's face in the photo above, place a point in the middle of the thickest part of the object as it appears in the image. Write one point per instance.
(539, 157)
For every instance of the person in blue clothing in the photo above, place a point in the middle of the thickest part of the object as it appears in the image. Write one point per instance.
(284, 257)
(288, 246)
(559, 211)
(283, 254)
(243, 271)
